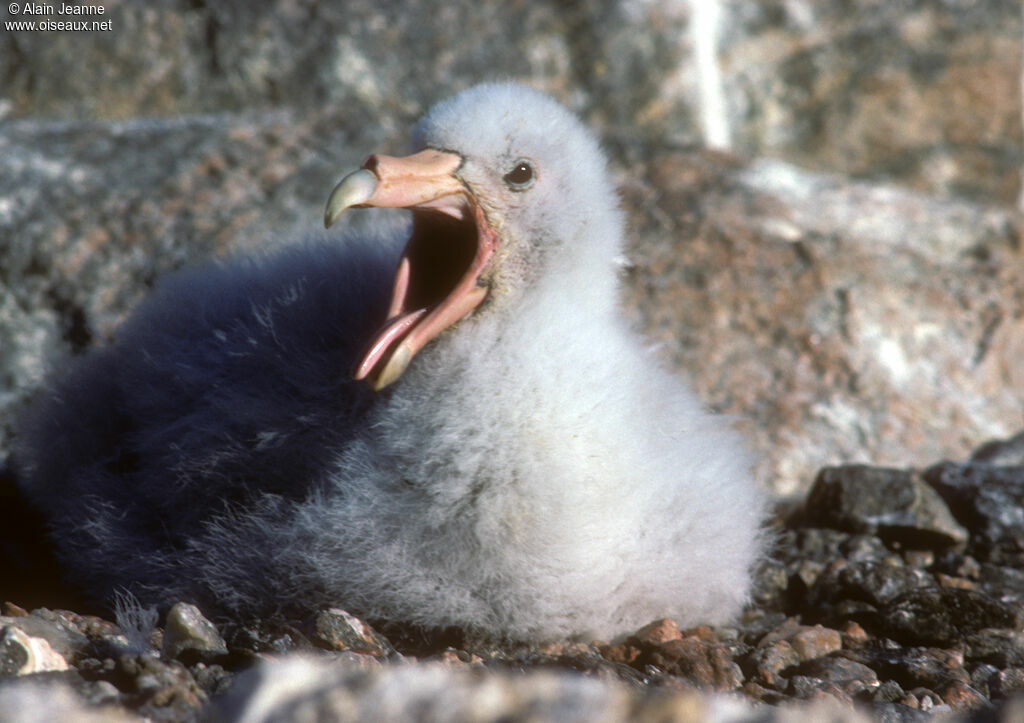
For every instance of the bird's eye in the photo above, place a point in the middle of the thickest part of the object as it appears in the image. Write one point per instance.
(521, 176)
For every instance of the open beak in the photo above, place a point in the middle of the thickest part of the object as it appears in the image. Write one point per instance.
(436, 283)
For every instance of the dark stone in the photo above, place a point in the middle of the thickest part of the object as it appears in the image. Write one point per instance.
(1001, 581)
(892, 503)
(164, 690)
(912, 667)
(989, 501)
(267, 636)
(1006, 682)
(871, 581)
(980, 676)
(803, 686)
(1003, 648)
(837, 669)
(889, 692)
(945, 616)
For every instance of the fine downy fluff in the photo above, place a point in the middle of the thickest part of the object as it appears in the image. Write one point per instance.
(524, 468)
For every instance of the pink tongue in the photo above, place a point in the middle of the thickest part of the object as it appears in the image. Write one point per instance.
(392, 332)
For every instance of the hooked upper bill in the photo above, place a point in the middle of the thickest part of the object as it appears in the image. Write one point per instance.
(436, 283)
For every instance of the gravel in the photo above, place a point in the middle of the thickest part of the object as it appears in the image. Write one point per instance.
(889, 594)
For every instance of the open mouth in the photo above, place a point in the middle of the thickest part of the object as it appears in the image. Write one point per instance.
(437, 280)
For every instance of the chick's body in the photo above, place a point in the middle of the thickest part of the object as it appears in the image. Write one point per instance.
(532, 474)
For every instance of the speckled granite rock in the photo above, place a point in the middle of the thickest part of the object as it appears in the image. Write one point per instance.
(851, 322)
(921, 91)
(925, 92)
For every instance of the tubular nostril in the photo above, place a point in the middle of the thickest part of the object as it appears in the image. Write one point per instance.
(371, 163)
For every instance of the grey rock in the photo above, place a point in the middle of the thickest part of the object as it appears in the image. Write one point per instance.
(894, 504)
(922, 92)
(875, 90)
(885, 712)
(945, 616)
(875, 582)
(889, 692)
(337, 630)
(60, 636)
(839, 297)
(21, 654)
(980, 676)
(990, 502)
(838, 669)
(1001, 581)
(771, 662)
(187, 629)
(1002, 453)
(1006, 683)
(1000, 647)
(913, 667)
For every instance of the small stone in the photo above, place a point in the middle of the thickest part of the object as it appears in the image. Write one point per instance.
(102, 691)
(658, 632)
(889, 692)
(1000, 647)
(803, 687)
(959, 695)
(816, 642)
(450, 657)
(22, 654)
(957, 564)
(919, 558)
(9, 609)
(1001, 581)
(980, 677)
(61, 630)
(621, 653)
(836, 669)
(772, 660)
(958, 582)
(853, 635)
(927, 699)
(871, 581)
(808, 572)
(187, 629)
(1006, 682)
(892, 503)
(829, 693)
(704, 632)
(335, 629)
(707, 664)
(771, 580)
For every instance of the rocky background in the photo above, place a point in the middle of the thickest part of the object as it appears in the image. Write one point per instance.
(825, 237)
